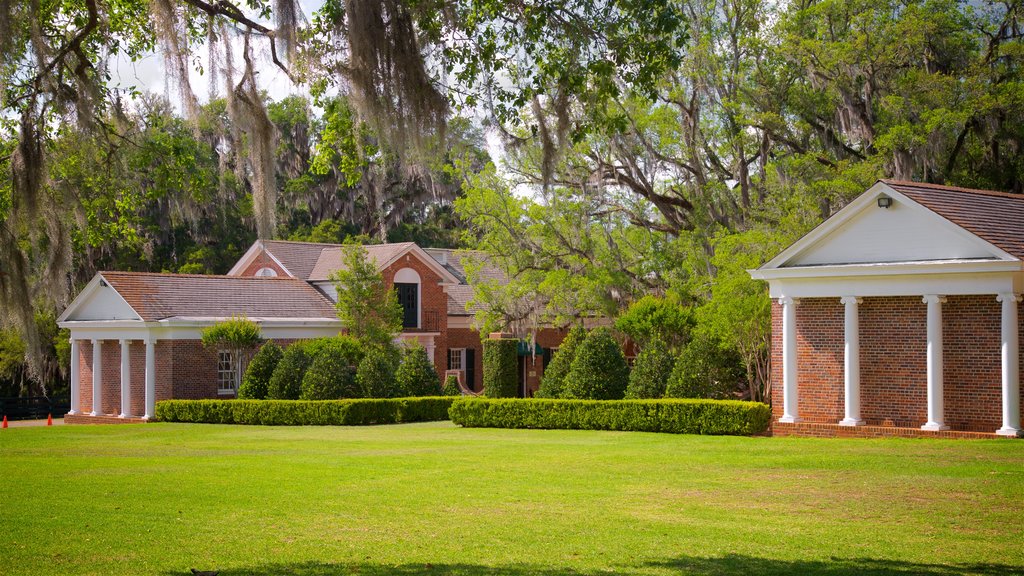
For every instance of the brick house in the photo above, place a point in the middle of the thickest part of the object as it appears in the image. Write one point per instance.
(135, 337)
(900, 315)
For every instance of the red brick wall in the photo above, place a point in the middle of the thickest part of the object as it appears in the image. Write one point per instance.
(85, 376)
(893, 341)
(820, 345)
(263, 260)
(973, 369)
(469, 339)
(432, 299)
(195, 370)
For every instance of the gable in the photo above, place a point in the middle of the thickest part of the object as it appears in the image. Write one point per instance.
(865, 233)
(900, 233)
(99, 301)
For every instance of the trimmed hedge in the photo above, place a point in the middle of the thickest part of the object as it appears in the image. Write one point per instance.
(552, 383)
(729, 417)
(257, 376)
(501, 367)
(352, 412)
(599, 370)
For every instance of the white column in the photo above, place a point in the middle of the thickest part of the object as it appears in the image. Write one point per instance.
(126, 379)
(97, 378)
(936, 410)
(76, 402)
(1011, 366)
(851, 372)
(150, 378)
(789, 366)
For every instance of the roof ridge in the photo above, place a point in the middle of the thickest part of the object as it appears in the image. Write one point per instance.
(183, 275)
(909, 183)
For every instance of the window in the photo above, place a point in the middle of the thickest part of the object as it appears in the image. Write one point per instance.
(456, 358)
(227, 373)
(266, 273)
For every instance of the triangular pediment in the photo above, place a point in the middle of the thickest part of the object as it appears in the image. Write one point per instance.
(99, 301)
(865, 233)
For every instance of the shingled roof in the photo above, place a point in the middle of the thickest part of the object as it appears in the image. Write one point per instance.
(332, 258)
(996, 217)
(162, 296)
(298, 257)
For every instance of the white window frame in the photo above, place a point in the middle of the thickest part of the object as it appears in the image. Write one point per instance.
(266, 272)
(461, 356)
(228, 372)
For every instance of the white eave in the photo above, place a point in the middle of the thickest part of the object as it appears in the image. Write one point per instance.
(889, 269)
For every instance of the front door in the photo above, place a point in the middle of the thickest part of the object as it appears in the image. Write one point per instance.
(407, 297)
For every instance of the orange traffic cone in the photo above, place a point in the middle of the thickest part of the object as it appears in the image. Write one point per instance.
(49, 419)
(5, 420)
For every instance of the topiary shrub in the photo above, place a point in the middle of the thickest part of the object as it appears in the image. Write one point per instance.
(451, 386)
(257, 376)
(501, 364)
(650, 374)
(351, 412)
(416, 375)
(705, 370)
(286, 381)
(673, 416)
(599, 370)
(375, 375)
(331, 374)
(553, 380)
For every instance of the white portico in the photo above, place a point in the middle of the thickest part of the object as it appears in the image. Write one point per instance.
(135, 336)
(947, 258)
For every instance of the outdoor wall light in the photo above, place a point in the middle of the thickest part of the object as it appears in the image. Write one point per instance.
(884, 201)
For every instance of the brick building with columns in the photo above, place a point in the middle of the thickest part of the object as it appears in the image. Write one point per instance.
(900, 315)
(135, 337)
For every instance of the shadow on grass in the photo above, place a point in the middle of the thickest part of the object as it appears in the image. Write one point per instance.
(729, 565)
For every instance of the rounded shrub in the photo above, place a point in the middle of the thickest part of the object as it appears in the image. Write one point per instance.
(651, 372)
(257, 375)
(451, 386)
(705, 370)
(553, 380)
(501, 367)
(286, 381)
(331, 374)
(375, 375)
(599, 370)
(416, 375)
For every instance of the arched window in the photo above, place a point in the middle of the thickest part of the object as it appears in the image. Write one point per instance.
(266, 272)
(407, 286)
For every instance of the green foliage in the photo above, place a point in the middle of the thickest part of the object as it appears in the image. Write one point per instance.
(501, 364)
(367, 308)
(705, 370)
(375, 375)
(650, 374)
(286, 380)
(730, 417)
(652, 318)
(416, 375)
(351, 412)
(552, 383)
(238, 333)
(331, 374)
(599, 370)
(451, 386)
(256, 381)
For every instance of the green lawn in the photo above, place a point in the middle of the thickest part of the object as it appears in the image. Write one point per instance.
(431, 499)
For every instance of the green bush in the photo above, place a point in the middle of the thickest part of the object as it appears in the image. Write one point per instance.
(451, 386)
(553, 380)
(599, 370)
(331, 374)
(256, 380)
(705, 370)
(237, 333)
(352, 412)
(501, 367)
(286, 381)
(651, 372)
(731, 417)
(416, 375)
(375, 375)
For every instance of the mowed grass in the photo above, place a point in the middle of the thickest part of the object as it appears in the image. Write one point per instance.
(431, 499)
